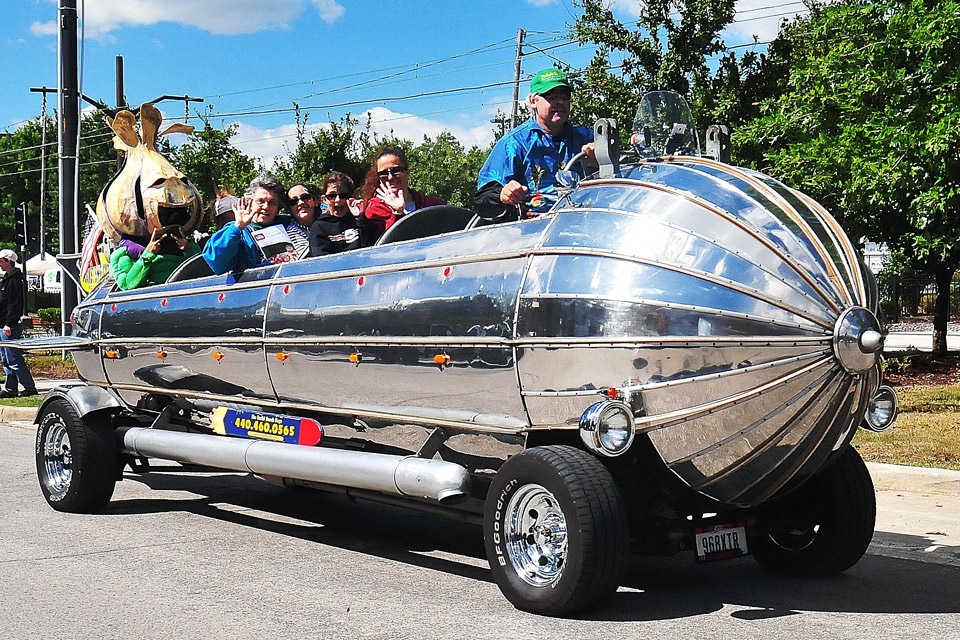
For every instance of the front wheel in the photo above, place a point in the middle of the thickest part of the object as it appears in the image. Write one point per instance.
(76, 459)
(824, 527)
(554, 530)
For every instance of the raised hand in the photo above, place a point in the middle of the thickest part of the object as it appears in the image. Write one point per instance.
(356, 206)
(243, 212)
(393, 198)
(154, 243)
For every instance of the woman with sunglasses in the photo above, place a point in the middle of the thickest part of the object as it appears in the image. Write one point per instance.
(390, 195)
(303, 208)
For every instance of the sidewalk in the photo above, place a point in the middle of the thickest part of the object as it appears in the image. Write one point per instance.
(898, 342)
(11, 414)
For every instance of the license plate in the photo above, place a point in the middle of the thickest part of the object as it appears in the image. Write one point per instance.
(721, 541)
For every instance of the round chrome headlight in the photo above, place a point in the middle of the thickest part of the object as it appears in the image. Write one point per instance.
(607, 428)
(881, 410)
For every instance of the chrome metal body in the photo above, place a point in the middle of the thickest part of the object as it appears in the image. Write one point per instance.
(733, 309)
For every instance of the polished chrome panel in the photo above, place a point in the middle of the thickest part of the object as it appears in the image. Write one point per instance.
(86, 326)
(224, 355)
(661, 243)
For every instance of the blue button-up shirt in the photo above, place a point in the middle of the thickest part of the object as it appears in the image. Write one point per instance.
(527, 146)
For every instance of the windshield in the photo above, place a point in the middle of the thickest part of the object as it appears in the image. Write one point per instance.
(664, 126)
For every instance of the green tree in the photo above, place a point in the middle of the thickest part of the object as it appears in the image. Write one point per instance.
(20, 159)
(337, 147)
(668, 48)
(868, 122)
(442, 168)
(211, 162)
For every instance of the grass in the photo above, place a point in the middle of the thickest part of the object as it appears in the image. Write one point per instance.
(926, 434)
(42, 365)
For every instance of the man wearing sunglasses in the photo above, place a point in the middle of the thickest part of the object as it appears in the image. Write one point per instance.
(336, 230)
(517, 180)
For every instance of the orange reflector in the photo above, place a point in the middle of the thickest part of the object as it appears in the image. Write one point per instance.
(161, 354)
(112, 353)
(218, 355)
(283, 356)
(355, 358)
(441, 359)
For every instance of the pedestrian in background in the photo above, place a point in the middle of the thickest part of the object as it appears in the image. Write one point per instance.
(13, 288)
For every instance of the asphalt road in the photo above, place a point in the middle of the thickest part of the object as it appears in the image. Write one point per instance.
(187, 554)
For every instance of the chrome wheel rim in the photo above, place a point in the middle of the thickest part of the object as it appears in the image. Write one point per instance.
(57, 459)
(536, 534)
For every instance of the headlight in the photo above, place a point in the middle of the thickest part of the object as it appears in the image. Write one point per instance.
(881, 410)
(607, 428)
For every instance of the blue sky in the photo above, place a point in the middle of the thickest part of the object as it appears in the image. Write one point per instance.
(252, 59)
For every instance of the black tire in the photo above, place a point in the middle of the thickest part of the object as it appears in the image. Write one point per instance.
(824, 527)
(77, 459)
(571, 512)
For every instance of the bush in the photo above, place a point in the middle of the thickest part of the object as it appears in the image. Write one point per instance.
(49, 314)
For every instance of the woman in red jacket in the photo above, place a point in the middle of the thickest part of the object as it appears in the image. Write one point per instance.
(390, 196)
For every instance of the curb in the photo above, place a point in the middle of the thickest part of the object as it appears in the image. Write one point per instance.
(892, 477)
(14, 414)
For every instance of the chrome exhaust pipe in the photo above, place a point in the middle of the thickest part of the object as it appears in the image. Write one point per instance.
(398, 475)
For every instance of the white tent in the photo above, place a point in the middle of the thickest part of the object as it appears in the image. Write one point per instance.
(40, 263)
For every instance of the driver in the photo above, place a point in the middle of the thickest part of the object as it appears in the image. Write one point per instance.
(523, 163)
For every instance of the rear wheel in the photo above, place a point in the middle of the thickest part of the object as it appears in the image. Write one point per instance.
(824, 527)
(554, 530)
(76, 459)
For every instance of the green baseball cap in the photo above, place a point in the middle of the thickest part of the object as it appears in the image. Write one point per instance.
(548, 79)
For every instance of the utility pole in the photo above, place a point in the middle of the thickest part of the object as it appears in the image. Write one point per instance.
(120, 104)
(43, 166)
(516, 79)
(69, 115)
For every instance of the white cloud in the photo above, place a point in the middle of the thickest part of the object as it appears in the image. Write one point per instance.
(330, 10)
(221, 17)
(270, 144)
(413, 128)
(542, 3)
(267, 144)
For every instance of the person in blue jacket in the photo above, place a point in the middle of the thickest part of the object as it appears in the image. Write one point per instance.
(517, 180)
(233, 248)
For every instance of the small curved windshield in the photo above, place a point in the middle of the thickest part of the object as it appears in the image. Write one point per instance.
(664, 126)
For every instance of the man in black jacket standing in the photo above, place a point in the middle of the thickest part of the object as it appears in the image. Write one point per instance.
(13, 291)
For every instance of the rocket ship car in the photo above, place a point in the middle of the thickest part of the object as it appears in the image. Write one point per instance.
(673, 359)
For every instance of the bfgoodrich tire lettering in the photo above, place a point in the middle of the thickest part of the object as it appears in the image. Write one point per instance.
(824, 527)
(554, 530)
(76, 459)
